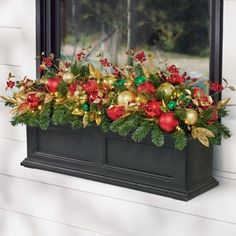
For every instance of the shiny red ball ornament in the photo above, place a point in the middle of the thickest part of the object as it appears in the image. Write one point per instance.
(90, 86)
(153, 108)
(146, 87)
(115, 112)
(168, 122)
(33, 100)
(52, 84)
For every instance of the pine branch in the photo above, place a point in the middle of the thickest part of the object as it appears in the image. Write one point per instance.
(157, 136)
(105, 124)
(130, 124)
(76, 122)
(75, 68)
(138, 69)
(223, 113)
(60, 115)
(39, 118)
(180, 139)
(62, 89)
(154, 80)
(180, 113)
(115, 124)
(141, 132)
(223, 130)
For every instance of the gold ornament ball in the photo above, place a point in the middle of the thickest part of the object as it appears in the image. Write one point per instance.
(109, 80)
(141, 99)
(166, 88)
(125, 97)
(191, 117)
(177, 93)
(68, 77)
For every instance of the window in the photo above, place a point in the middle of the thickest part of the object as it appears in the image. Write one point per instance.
(187, 32)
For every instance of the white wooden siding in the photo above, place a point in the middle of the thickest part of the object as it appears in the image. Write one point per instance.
(39, 203)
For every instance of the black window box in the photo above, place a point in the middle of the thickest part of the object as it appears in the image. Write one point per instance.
(107, 157)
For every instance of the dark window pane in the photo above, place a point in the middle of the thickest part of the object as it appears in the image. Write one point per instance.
(173, 29)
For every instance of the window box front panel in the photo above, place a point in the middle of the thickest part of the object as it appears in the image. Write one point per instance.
(110, 158)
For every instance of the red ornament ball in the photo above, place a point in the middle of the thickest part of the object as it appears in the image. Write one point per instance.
(146, 87)
(153, 108)
(52, 84)
(33, 100)
(90, 86)
(168, 122)
(214, 117)
(115, 112)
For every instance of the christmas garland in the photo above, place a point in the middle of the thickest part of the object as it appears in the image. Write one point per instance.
(132, 100)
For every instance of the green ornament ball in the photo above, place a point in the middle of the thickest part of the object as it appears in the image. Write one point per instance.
(139, 80)
(183, 97)
(119, 82)
(172, 105)
(85, 107)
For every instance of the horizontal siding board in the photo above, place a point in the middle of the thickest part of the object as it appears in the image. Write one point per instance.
(10, 13)
(10, 46)
(17, 224)
(101, 214)
(6, 129)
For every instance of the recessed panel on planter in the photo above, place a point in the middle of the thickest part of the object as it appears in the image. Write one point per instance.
(141, 157)
(65, 143)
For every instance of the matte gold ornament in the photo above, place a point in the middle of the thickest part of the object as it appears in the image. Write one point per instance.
(166, 88)
(191, 117)
(125, 97)
(68, 77)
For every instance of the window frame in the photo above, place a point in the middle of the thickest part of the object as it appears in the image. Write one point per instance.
(48, 34)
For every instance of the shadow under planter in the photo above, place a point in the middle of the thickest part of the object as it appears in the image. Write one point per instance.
(107, 157)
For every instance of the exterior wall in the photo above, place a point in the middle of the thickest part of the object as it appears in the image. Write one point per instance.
(38, 203)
